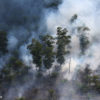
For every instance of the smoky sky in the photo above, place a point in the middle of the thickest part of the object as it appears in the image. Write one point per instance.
(19, 17)
(24, 20)
(23, 12)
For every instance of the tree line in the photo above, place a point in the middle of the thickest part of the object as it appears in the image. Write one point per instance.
(43, 52)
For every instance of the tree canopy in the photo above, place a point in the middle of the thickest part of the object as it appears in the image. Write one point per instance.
(63, 40)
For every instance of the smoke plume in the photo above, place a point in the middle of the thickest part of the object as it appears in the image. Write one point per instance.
(25, 19)
(88, 12)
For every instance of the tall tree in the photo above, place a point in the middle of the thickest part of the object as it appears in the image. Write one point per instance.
(83, 38)
(48, 53)
(3, 42)
(85, 78)
(36, 50)
(84, 42)
(62, 41)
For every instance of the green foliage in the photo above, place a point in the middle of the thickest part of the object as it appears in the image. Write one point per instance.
(85, 78)
(3, 42)
(36, 50)
(83, 38)
(21, 98)
(62, 41)
(47, 40)
(48, 53)
(54, 74)
(13, 69)
(51, 92)
(48, 57)
(84, 43)
(90, 81)
(64, 80)
(96, 83)
(42, 51)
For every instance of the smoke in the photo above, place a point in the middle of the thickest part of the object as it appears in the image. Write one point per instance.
(20, 12)
(25, 19)
(88, 15)
(19, 87)
(88, 12)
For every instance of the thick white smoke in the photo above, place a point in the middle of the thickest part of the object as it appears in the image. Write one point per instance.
(88, 15)
(88, 12)
(27, 18)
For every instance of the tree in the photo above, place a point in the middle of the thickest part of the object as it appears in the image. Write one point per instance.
(84, 42)
(63, 40)
(43, 50)
(3, 42)
(85, 78)
(96, 83)
(36, 50)
(96, 79)
(74, 17)
(83, 38)
(48, 53)
(13, 69)
(51, 94)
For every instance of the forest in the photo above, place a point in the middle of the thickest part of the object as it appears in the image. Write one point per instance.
(49, 50)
